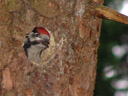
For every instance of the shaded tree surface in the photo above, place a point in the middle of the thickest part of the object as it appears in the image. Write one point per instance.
(72, 69)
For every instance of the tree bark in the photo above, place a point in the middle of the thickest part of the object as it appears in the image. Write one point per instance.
(71, 69)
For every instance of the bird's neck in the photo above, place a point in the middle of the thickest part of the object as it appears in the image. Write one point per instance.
(34, 54)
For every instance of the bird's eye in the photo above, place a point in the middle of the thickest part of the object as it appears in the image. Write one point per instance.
(36, 35)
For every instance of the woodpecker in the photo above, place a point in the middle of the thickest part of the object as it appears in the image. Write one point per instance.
(35, 42)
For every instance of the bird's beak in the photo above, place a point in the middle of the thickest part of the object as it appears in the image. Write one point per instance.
(45, 42)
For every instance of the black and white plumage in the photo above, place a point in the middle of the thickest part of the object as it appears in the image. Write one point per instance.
(35, 42)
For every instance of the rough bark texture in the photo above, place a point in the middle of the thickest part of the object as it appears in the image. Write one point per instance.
(72, 69)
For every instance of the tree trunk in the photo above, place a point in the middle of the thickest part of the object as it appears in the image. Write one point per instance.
(70, 69)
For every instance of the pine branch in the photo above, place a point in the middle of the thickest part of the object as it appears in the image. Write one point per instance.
(110, 14)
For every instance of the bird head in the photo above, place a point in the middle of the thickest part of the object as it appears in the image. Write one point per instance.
(36, 41)
(39, 37)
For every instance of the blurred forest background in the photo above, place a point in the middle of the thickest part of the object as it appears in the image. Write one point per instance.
(112, 69)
